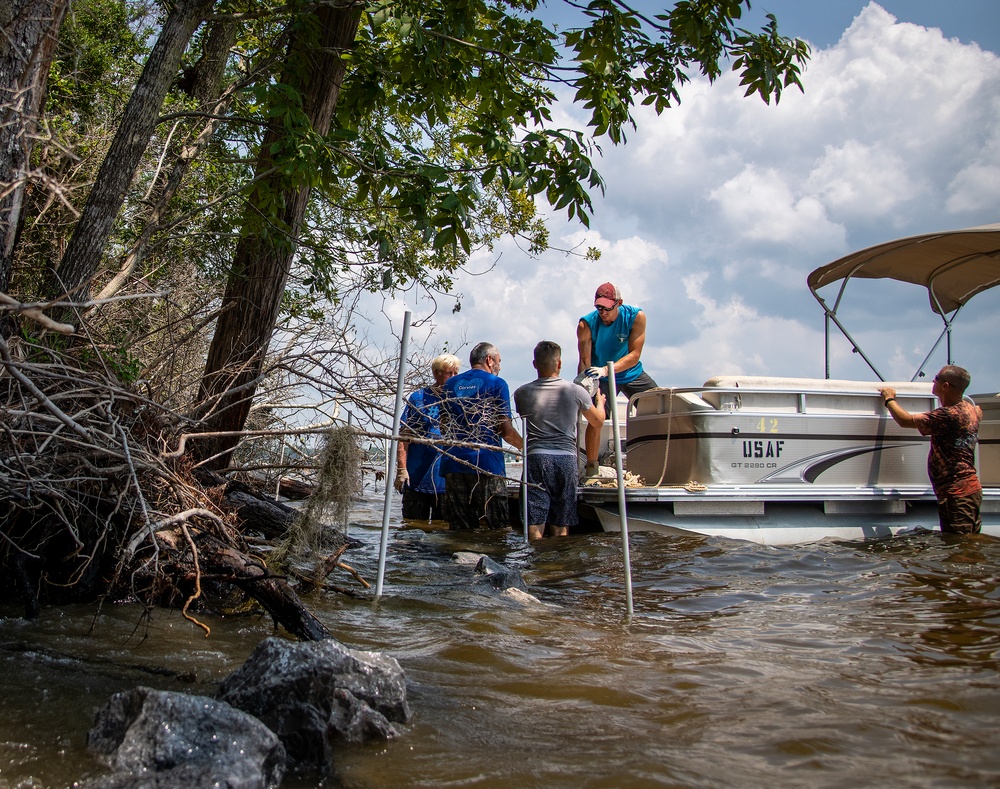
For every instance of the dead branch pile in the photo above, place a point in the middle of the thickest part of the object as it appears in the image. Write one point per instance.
(90, 506)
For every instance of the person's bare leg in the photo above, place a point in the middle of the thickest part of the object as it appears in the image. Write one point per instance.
(535, 532)
(592, 442)
(559, 531)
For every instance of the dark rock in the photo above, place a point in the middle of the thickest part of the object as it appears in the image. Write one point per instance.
(499, 576)
(315, 694)
(356, 722)
(153, 738)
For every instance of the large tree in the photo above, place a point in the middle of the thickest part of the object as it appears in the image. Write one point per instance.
(484, 72)
(312, 75)
(27, 47)
(90, 237)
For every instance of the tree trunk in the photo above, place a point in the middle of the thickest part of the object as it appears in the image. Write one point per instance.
(262, 260)
(90, 237)
(205, 84)
(27, 46)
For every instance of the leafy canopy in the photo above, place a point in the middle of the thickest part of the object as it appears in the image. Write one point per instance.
(490, 72)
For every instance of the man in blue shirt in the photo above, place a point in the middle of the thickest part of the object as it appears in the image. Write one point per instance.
(418, 464)
(475, 410)
(613, 332)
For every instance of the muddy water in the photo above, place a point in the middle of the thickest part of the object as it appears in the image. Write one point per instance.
(829, 665)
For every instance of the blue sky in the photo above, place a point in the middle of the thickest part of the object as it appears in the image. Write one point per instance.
(717, 210)
(823, 23)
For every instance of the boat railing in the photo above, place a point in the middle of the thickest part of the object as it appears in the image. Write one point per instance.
(818, 396)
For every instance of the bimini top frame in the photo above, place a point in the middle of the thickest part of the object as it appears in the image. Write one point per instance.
(953, 265)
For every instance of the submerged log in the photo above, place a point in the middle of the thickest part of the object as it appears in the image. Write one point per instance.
(220, 562)
(255, 510)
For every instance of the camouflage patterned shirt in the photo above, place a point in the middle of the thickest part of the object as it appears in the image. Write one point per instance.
(951, 464)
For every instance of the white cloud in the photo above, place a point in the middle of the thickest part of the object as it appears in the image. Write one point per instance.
(974, 186)
(763, 206)
(733, 338)
(854, 180)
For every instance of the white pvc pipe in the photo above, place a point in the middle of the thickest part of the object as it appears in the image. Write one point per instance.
(281, 465)
(524, 475)
(390, 473)
(622, 515)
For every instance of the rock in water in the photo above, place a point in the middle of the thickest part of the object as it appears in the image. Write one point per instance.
(157, 738)
(499, 576)
(316, 694)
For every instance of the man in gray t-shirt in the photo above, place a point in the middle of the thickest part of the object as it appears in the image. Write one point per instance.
(552, 407)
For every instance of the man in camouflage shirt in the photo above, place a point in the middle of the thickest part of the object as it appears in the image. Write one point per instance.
(951, 464)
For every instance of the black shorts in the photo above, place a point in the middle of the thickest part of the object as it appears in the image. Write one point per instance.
(641, 384)
(420, 506)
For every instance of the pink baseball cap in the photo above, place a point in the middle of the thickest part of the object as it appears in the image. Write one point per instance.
(607, 296)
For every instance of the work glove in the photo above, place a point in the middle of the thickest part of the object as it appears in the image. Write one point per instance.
(402, 478)
(597, 372)
(588, 382)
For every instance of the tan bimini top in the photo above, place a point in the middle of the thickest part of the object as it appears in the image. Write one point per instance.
(954, 265)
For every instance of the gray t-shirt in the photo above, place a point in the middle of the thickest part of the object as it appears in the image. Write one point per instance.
(553, 407)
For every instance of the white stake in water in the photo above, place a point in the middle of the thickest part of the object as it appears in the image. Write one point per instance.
(622, 515)
(391, 471)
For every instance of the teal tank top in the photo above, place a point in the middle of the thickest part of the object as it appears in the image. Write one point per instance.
(610, 343)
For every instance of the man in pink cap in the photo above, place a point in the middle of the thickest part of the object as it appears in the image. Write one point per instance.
(613, 332)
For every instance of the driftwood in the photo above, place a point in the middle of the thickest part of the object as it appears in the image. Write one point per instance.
(323, 569)
(294, 489)
(269, 518)
(254, 510)
(288, 487)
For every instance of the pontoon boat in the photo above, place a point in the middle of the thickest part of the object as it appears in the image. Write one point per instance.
(794, 460)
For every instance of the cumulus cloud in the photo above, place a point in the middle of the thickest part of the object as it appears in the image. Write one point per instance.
(761, 205)
(717, 210)
(854, 179)
(733, 338)
(974, 186)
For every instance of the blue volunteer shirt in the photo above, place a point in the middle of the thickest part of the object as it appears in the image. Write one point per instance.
(423, 461)
(473, 405)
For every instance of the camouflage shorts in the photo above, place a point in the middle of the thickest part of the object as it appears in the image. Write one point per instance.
(476, 501)
(960, 514)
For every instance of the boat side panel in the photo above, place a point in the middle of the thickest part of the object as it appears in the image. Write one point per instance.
(989, 440)
(791, 523)
(829, 438)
